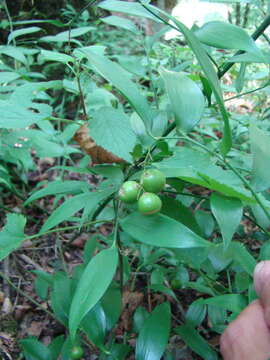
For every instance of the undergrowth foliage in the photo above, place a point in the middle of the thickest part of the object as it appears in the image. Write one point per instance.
(175, 265)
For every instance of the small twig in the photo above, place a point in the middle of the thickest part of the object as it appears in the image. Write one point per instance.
(29, 261)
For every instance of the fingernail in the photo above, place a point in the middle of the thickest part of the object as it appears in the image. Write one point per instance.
(258, 279)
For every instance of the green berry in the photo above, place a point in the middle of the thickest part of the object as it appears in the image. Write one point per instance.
(153, 180)
(76, 352)
(129, 191)
(149, 203)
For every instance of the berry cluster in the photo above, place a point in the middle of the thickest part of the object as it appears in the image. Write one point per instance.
(152, 181)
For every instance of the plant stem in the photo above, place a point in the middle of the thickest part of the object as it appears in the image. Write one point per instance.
(248, 92)
(233, 169)
(258, 32)
(81, 96)
(30, 237)
(117, 241)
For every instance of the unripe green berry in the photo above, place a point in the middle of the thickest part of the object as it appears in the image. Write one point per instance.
(149, 204)
(76, 352)
(153, 180)
(129, 191)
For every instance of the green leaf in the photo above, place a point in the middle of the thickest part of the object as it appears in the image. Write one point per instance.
(112, 305)
(154, 335)
(153, 230)
(121, 22)
(59, 187)
(131, 8)
(251, 58)
(240, 255)
(226, 36)
(93, 283)
(197, 343)
(72, 205)
(12, 235)
(208, 70)
(239, 81)
(16, 116)
(228, 213)
(55, 346)
(65, 36)
(260, 149)
(111, 129)
(114, 73)
(230, 302)
(94, 325)
(8, 76)
(181, 90)
(61, 296)
(195, 314)
(20, 32)
(35, 350)
(177, 211)
(14, 52)
(46, 55)
(198, 168)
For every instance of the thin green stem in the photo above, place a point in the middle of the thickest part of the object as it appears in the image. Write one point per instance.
(257, 33)
(248, 92)
(233, 169)
(9, 20)
(117, 242)
(66, 228)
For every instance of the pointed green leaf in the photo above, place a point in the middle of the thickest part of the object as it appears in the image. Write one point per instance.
(228, 213)
(8, 76)
(111, 129)
(58, 187)
(260, 149)
(198, 168)
(240, 255)
(154, 335)
(14, 52)
(181, 89)
(93, 283)
(114, 73)
(153, 230)
(34, 349)
(226, 36)
(47, 55)
(230, 302)
(16, 116)
(72, 205)
(121, 22)
(61, 296)
(197, 343)
(94, 325)
(12, 235)
(130, 8)
(20, 32)
(65, 36)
